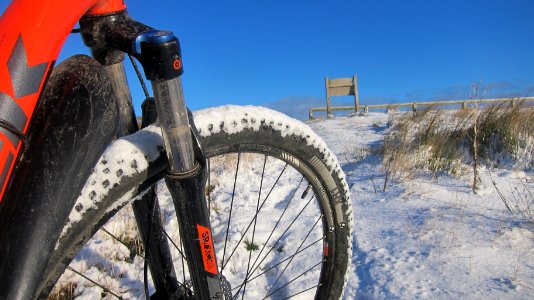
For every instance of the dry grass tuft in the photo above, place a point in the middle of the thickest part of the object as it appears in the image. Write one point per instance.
(64, 292)
(442, 141)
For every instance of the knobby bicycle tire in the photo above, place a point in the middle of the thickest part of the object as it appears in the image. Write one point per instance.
(131, 164)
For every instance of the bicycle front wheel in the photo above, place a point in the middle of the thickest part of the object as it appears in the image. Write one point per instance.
(279, 206)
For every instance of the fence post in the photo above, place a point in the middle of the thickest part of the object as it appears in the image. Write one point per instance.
(328, 111)
(513, 103)
(414, 107)
(366, 109)
(356, 96)
(310, 114)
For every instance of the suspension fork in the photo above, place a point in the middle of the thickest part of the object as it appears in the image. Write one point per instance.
(147, 210)
(159, 53)
(186, 180)
(127, 119)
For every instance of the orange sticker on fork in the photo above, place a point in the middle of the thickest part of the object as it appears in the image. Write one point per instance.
(207, 249)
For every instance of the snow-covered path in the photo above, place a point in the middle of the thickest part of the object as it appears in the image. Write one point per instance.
(429, 238)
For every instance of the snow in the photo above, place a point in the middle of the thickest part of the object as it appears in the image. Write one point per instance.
(233, 118)
(421, 238)
(426, 238)
(124, 157)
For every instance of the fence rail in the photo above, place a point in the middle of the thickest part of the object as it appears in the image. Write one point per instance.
(414, 105)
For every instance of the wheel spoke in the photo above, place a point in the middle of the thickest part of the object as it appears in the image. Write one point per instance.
(292, 280)
(180, 250)
(208, 191)
(118, 240)
(230, 214)
(172, 241)
(291, 260)
(281, 262)
(303, 291)
(255, 267)
(255, 216)
(271, 233)
(94, 282)
(278, 222)
(182, 258)
(255, 221)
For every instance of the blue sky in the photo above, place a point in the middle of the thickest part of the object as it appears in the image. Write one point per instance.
(277, 52)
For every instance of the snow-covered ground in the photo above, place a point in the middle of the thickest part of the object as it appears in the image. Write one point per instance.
(421, 238)
(430, 238)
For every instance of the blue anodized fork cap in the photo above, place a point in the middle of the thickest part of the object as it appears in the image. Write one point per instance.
(152, 37)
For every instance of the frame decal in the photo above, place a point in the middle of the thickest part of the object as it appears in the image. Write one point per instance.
(26, 80)
(208, 251)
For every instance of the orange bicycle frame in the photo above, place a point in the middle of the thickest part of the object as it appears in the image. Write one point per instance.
(31, 36)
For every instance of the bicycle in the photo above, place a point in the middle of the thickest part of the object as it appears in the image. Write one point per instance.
(72, 156)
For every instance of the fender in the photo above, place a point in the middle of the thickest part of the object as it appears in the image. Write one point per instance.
(76, 119)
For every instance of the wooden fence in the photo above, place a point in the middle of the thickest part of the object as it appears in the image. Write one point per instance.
(415, 105)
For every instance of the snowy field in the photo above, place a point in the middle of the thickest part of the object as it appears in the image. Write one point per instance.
(430, 238)
(423, 238)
